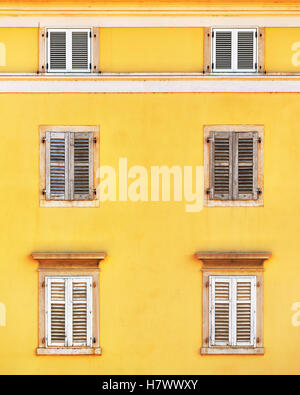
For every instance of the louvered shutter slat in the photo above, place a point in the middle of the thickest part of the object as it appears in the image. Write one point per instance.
(245, 166)
(57, 313)
(220, 166)
(245, 50)
(245, 312)
(58, 53)
(220, 319)
(223, 50)
(81, 166)
(81, 312)
(57, 166)
(80, 51)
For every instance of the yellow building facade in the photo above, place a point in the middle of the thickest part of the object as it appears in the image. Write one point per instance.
(149, 101)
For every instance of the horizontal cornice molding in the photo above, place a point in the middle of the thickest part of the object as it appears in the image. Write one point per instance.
(150, 84)
(72, 260)
(233, 259)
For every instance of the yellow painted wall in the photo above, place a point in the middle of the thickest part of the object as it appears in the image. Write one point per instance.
(21, 50)
(150, 296)
(282, 50)
(151, 49)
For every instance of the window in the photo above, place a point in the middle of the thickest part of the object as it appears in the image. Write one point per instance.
(68, 311)
(232, 311)
(69, 161)
(68, 303)
(237, 50)
(233, 161)
(232, 302)
(68, 50)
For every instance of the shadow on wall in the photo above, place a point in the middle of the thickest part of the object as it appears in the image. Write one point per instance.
(2, 314)
(2, 54)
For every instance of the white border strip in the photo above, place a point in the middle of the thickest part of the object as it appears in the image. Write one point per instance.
(151, 86)
(74, 21)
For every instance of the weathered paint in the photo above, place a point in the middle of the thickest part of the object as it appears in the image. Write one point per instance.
(150, 284)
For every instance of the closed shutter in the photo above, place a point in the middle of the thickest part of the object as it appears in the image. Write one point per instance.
(245, 166)
(234, 50)
(69, 50)
(81, 174)
(223, 50)
(57, 50)
(245, 312)
(80, 50)
(69, 311)
(56, 296)
(245, 50)
(57, 166)
(232, 311)
(81, 312)
(220, 311)
(221, 165)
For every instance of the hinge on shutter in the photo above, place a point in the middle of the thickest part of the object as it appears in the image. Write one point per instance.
(259, 139)
(95, 191)
(213, 66)
(43, 340)
(95, 140)
(213, 34)
(43, 140)
(94, 340)
(258, 284)
(259, 191)
(47, 34)
(90, 66)
(47, 66)
(90, 34)
(94, 284)
(207, 284)
(209, 139)
(208, 191)
(43, 284)
(255, 66)
(256, 34)
(44, 192)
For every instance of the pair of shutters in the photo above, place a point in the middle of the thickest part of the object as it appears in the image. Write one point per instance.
(233, 165)
(232, 311)
(69, 50)
(234, 50)
(69, 165)
(69, 311)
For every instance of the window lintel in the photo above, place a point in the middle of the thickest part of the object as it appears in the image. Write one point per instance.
(216, 259)
(69, 259)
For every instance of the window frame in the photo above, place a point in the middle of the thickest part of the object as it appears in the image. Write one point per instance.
(96, 181)
(240, 264)
(93, 55)
(209, 51)
(208, 202)
(70, 265)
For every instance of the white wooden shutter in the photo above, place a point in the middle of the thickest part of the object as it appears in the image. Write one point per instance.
(220, 311)
(69, 50)
(223, 55)
(57, 166)
(234, 50)
(81, 312)
(81, 166)
(245, 164)
(57, 50)
(246, 50)
(56, 310)
(69, 311)
(245, 334)
(81, 50)
(221, 156)
(232, 311)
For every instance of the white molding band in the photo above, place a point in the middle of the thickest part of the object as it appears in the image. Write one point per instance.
(150, 85)
(74, 21)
